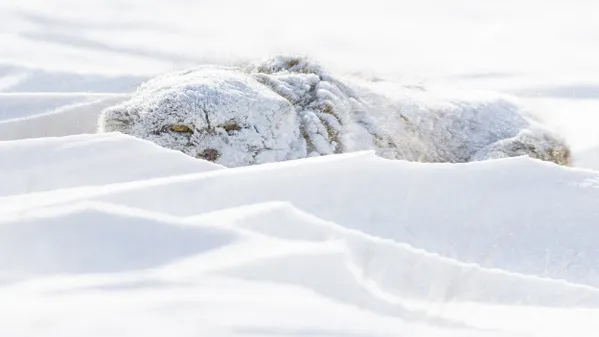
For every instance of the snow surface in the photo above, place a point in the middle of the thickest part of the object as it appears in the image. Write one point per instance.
(63, 162)
(486, 212)
(294, 248)
(31, 118)
(110, 235)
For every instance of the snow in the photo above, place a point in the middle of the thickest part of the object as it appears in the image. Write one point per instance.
(80, 160)
(589, 158)
(485, 212)
(66, 120)
(259, 259)
(399, 269)
(105, 234)
(81, 239)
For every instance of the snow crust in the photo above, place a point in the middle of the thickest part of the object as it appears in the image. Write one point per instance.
(36, 115)
(110, 235)
(81, 160)
(488, 213)
(288, 108)
(198, 248)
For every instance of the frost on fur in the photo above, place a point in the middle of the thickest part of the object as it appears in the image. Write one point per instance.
(289, 108)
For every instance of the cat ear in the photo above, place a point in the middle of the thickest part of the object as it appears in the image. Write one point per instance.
(118, 118)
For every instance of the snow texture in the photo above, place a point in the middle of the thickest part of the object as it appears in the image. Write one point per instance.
(295, 247)
(28, 115)
(288, 108)
(83, 160)
(111, 235)
(506, 214)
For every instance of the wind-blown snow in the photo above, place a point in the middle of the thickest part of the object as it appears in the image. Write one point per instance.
(174, 257)
(344, 234)
(289, 108)
(32, 119)
(485, 212)
(63, 162)
(89, 240)
(488, 212)
(111, 235)
(396, 268)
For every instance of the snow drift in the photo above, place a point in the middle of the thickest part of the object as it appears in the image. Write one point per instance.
(396, 269)
(110, 235)
(289, 108)
(81, 160)
(507, 213)
(343, 232)
(35, 115)
(87, 239)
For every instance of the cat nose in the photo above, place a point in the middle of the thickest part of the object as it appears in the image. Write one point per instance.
(209, 154)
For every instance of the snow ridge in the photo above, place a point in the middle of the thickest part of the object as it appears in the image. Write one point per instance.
(350, 234)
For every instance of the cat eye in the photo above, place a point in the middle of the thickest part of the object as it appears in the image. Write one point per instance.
(181, 128)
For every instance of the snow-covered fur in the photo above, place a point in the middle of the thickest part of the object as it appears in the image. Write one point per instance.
(289, 108)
